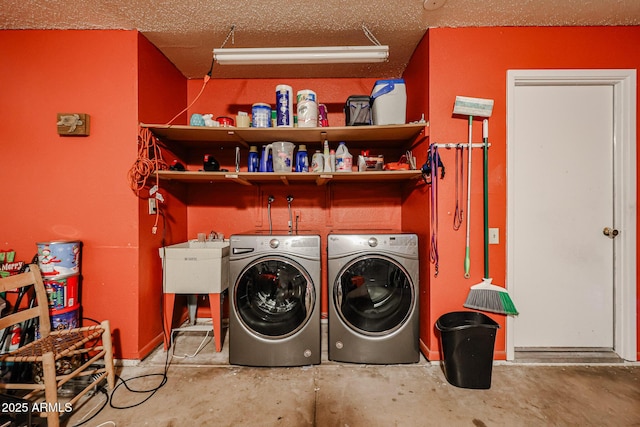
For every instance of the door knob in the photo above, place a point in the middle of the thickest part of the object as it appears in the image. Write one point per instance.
(610, 232)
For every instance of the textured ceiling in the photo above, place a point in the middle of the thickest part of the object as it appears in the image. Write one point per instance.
(186, 31)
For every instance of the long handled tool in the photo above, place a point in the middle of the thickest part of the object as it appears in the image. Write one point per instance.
(486, 296)
(467, 250)
(466, 106)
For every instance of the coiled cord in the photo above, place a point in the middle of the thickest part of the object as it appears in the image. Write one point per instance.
(149, 160)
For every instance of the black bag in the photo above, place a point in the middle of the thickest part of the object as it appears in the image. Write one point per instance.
(357, 110)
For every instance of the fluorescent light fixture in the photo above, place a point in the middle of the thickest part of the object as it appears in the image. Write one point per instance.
(301, 55)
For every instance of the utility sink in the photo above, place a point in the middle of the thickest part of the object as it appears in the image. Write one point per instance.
(195, 267)
(195, 244)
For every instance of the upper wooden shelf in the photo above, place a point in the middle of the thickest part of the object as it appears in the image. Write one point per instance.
(374, 136)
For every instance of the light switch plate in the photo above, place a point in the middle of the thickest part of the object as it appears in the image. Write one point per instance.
(494, 236)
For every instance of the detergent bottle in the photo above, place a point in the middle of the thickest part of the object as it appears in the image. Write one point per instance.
(253, 161)
(302, 161)
(344, 160)
(327, 158)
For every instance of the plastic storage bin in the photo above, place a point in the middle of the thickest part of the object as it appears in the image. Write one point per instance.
(389, 102)
(468, 338)
(195, 267)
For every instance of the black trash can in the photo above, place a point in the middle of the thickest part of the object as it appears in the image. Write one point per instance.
(467, 340)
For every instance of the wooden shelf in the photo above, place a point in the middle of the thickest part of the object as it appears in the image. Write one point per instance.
(398, 137)
(200, 136)
(319, 178)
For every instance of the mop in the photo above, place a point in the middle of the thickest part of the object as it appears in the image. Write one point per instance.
(486, 296)
(466, 106)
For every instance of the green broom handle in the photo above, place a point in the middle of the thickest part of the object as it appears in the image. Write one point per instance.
(467, 252)
(485, 192)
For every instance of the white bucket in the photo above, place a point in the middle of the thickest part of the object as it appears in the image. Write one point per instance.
(389, 102)
(282, 156)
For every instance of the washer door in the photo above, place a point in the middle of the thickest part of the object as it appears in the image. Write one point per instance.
(274, 297)
(374, 295)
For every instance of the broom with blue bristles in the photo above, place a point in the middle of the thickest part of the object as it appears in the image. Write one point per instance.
(486, 296)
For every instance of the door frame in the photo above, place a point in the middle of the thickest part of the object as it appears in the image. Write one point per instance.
(625, 204)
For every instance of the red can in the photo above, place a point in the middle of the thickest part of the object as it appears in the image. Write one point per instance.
(323, 116)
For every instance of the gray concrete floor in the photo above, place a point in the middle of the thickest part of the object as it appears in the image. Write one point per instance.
(204, 390)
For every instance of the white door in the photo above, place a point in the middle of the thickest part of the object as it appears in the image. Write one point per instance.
(563, 159)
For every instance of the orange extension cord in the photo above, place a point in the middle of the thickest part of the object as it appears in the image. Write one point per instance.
(150, 159)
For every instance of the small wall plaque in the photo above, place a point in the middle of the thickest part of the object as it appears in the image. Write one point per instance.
(73, 124)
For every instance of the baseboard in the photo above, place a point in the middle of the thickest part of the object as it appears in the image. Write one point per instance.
(428, 354)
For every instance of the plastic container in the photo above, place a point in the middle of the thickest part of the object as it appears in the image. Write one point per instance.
(332, 160)
(326, 155)
(307, 108)
(253, 164)
(317, 162)
(389, 102)
(468, 338)
(344, 160)
(282, 152)
(302, 160)
(261, 115)
(284, 106)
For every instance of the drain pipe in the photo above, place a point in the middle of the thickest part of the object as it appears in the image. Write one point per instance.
(290, 223)
(269, 201)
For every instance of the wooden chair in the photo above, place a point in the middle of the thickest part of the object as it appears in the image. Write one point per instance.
(90, 343)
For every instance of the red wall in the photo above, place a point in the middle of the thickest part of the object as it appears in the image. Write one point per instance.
(85, 195)
(162, 93)
(416, 209)
(74, 188)
(474, 62)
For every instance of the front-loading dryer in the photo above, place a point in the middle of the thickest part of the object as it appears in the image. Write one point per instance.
(373, 298)
(274, 298)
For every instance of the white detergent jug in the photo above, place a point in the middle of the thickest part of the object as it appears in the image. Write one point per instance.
(344, 160)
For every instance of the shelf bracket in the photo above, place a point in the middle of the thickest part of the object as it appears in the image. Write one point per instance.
(236, 178)
(284, 180)
(323, 179)
(323, 137)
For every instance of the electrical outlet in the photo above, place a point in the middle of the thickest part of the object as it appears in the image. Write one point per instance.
(494, 236)
(153, 207)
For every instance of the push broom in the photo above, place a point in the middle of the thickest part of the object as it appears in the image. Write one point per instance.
(486, 296)
(466, 106)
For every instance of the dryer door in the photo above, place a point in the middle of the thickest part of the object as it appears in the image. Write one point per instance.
(274, 297)
(374, 295)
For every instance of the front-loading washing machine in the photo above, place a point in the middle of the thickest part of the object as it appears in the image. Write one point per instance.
(373, 298)
(274, 298)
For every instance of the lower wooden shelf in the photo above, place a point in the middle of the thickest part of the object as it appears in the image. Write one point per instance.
(320, 178)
